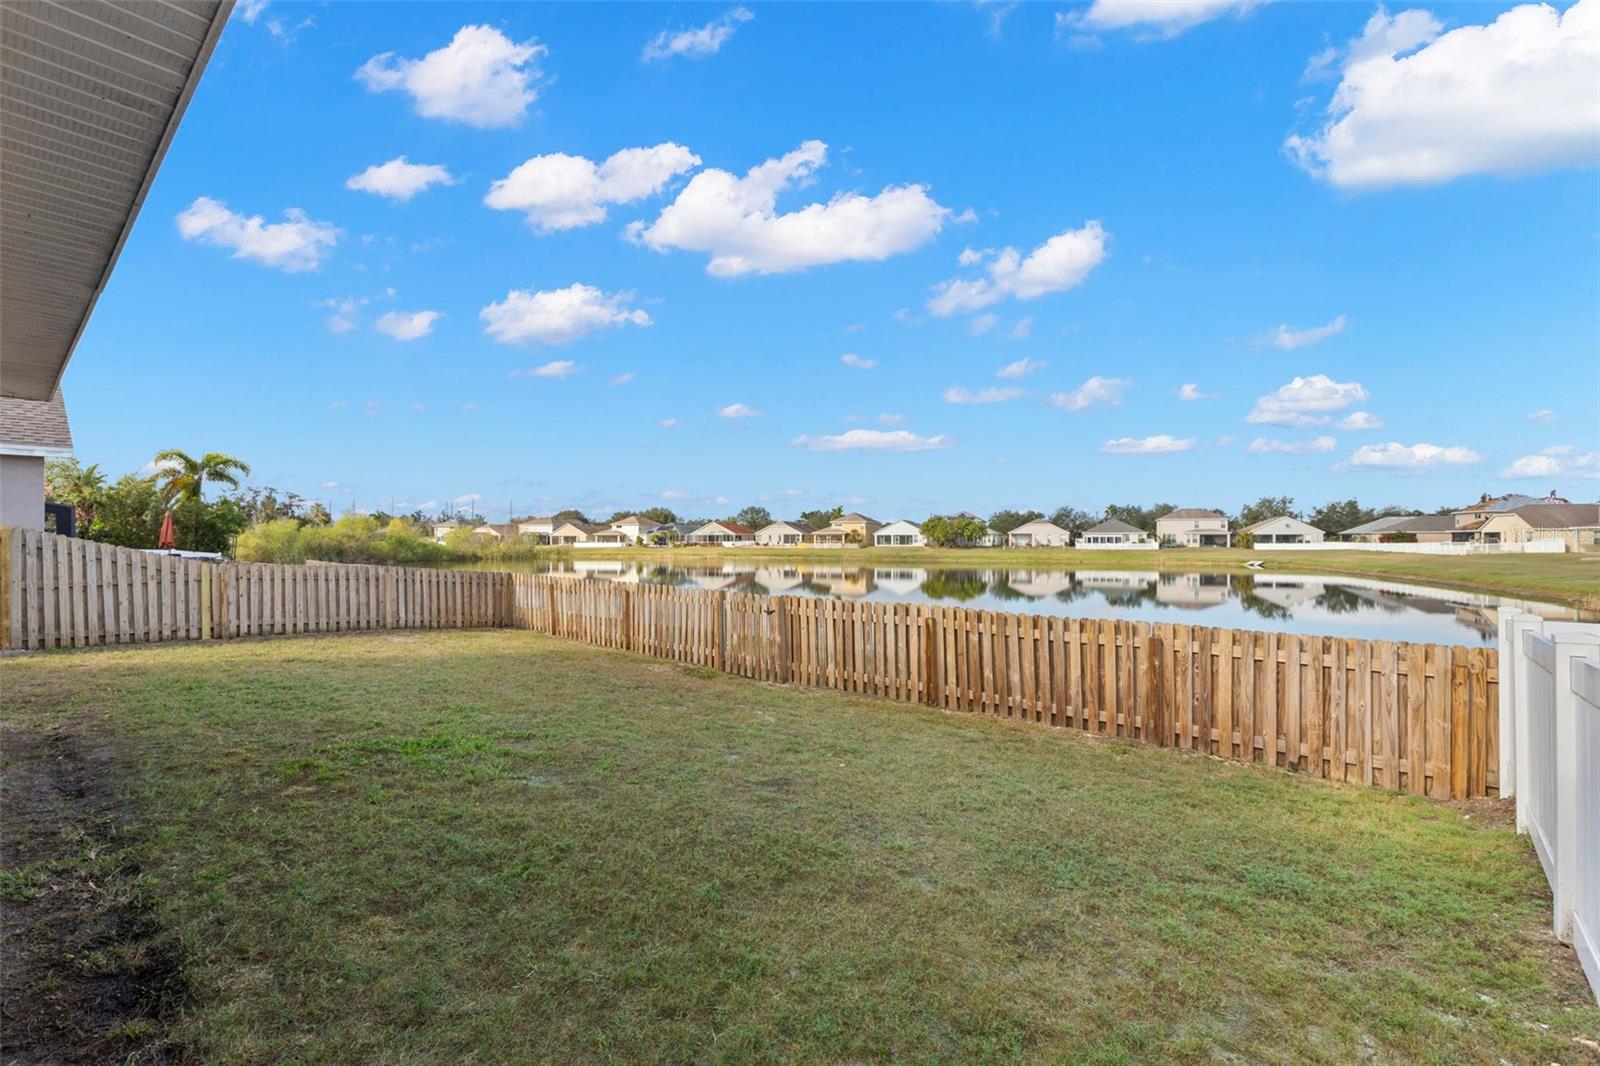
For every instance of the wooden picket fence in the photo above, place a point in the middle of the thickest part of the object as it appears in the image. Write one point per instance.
(1421, 718)
(63, 592)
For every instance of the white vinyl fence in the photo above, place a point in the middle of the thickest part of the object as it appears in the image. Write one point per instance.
(1550, 764)
(1550, 546)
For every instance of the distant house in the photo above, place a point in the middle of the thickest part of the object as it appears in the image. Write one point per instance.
(633, 528)
(783, 534)
(1038, 534)
(899, 534)
(538, 527)
(850, 530)
(1374, 531)
(1115, 534)
(1283, 529)
(1422, 528)
(673, 532)
(441, 530)
(723, 535)
(1193, 527)
(1576, 524)
(1470, 521)
(505, 532)
(574, 533)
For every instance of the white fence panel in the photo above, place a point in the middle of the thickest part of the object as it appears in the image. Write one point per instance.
(1586, 887)
(1551, 723)
(1536, 671)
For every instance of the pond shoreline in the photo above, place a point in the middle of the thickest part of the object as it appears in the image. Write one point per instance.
(1564, 580)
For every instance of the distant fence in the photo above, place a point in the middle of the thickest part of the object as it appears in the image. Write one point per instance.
(1415, 717)
(63, 592)
(1551, 765)
(1419, 718)
(1550, 546)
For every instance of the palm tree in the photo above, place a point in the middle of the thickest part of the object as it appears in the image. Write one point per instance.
(183, 477)
(80, 486)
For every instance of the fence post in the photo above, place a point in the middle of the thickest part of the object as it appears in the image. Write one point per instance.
(1508, 642)
(719, 641)
(785, 663)
(1154, 730)
(1522, 694)
(9, 587)
(1570, 646)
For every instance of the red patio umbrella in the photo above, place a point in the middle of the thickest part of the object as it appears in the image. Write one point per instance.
(167, 539)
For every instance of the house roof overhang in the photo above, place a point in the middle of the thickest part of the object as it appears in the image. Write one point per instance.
(90, 97)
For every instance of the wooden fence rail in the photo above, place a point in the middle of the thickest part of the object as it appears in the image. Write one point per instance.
(1417, 717)
(63, 592)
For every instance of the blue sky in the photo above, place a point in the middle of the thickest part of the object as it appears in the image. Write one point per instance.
(1029, 228)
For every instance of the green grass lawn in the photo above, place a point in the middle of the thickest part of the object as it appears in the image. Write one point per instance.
(495, 846)
(1569, 579)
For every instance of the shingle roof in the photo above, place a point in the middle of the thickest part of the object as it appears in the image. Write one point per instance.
(1425, 523)
(34, 427)
(1560, 515)
(1253, 526)
(1113, 525)
(1192, 512)
(1377, 525)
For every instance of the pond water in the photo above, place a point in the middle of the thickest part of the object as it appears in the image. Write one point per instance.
(1289, 603)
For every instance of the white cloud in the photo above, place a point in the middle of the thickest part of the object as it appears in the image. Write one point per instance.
(736, 220)
(471, 497)
(1021, 368)
(852, 359)
(873, 440)
(1288, 338)
(738, 410)
(620, 379)
(292, 246)
(556, 368)
(1023, 329)
(676, 494)
(469, 407)
(1151, 19)
(1096, 392)
(992, 394)
(1265, 445)
(1308, 401)
(1397, 456)
(481, 78)
(1058, 264)
(1559, 461)
(1360, 420)
(406, 325)
(1190, 390)
(889, 418)
(345, 315)
(668, 423)
(697, 43)
(982, 324)
(249, 10)
(1160, 444)
(558, 316)
(1511, 97)
(399, 179)
(560, 191)
(1544, 414)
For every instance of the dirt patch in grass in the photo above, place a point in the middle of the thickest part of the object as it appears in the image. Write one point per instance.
(88, 976)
